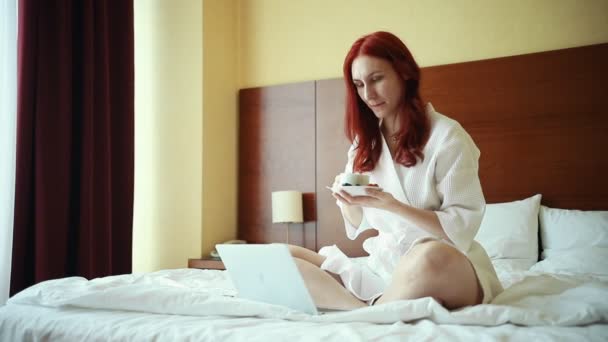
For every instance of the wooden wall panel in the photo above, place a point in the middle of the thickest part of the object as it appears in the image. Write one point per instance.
(276, 152)
(540, 121)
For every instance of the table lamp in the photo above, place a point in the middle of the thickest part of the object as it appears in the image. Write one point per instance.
(287, 208)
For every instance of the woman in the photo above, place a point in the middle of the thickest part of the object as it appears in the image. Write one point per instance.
(431, 204)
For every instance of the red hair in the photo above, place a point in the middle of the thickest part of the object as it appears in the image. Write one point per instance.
(361, 123)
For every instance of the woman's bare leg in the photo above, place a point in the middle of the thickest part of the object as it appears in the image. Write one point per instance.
(434, 269)
(325, 288)
(306, 254)
(312, 257)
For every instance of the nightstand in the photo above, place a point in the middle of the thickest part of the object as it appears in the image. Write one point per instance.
(206, 264)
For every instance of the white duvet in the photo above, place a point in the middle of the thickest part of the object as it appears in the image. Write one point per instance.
(533, 299)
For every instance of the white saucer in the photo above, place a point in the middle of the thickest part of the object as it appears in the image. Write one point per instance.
(354, 190)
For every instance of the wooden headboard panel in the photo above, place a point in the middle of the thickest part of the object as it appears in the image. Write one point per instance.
(276, 152)
(538, 119)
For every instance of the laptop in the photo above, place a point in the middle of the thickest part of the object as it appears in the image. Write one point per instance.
(267, 273)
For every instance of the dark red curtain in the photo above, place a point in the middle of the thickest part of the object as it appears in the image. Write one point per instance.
(74, 179)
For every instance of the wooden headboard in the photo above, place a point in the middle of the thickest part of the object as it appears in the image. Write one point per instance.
(538, 119)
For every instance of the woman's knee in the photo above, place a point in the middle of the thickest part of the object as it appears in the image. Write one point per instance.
(306, 254)
(433, 265)
(431, 257)
(297, 251)
(294, 250)
(428, 265)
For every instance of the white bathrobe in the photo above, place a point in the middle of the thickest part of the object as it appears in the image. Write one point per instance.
(447, 182)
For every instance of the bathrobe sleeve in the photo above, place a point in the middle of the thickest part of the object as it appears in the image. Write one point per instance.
(351, 231)
(459, 189)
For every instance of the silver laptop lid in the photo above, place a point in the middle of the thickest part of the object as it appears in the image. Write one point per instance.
(267, 273)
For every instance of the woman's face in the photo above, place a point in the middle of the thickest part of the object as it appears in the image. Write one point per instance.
(378, 85)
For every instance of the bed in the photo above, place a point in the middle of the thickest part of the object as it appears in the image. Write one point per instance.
(540, 124)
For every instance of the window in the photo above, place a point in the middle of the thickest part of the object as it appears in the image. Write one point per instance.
(8, 115)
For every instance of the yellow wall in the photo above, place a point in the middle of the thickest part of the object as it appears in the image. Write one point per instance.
(168, 133)
(219, 122)
(287, 41)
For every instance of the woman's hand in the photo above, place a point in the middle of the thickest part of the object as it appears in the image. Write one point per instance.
(375, 198)
(352, 213)
(339, 195)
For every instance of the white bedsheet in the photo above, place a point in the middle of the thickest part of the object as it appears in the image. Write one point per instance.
(26, 323)
(537, 299)
(191, 304)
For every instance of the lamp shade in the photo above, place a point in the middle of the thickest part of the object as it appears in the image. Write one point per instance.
(287, 206)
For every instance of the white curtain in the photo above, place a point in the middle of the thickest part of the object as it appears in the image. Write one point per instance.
(8, 115)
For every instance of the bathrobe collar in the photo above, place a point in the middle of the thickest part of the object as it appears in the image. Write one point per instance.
(386, 175)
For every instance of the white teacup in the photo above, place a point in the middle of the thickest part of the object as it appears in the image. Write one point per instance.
(356, 179)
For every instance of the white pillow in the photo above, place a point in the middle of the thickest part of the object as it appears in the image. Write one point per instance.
(574, 241)
(588, 260)
(566, 229)
(510, 231)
